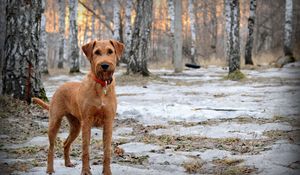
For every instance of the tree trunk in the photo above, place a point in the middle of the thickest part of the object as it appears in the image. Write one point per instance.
(249, 43)
(178, 37)
(214, 27)
(141, 39)
(117, 21)
(74, 50)
(288, 28)
(43, 43)
(62, 15)
(234, 35)
(93, 21)
(21, 76)
(128, 31)
(227, 14)
(171, 12)
(193, 31)
(2, 39)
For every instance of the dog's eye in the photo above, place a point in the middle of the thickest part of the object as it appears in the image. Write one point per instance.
(109, 51)
(97, 52)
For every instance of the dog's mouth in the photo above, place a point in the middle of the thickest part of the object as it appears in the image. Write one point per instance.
(105, 75)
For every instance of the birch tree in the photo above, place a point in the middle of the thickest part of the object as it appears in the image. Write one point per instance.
(249, 42)
(141, 39)
(2, 39)
(93, 21)
(43, 43)
(227, 14)
(128, 30)
(62, 15)
(74, 50)
(233, 38)
(21, 76)
(288, 28)
(117, 22)
(178, 37)
(193, 31)
(171, 12)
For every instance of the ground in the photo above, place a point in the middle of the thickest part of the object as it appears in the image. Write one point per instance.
(196, 122)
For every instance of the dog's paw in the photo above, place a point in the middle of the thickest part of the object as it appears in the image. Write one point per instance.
(69, 164)
(86, 172)
(50, 171)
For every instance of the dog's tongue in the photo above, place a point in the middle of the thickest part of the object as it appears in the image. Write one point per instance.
(107, 76)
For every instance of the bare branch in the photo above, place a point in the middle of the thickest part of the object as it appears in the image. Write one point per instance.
(97, 16)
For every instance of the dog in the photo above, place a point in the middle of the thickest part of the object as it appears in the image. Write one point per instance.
(87, 104)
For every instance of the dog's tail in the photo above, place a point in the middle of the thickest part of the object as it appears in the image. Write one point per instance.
(40, 103)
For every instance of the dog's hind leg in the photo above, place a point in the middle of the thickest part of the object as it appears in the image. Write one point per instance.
(74, 132)
(54, 124)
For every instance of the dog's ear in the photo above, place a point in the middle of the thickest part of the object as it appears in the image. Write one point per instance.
(88, 49)
(119, 47)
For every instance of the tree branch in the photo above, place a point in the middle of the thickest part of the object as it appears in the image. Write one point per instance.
(97, 16)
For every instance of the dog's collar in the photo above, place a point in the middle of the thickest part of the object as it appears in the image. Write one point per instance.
(101, 82)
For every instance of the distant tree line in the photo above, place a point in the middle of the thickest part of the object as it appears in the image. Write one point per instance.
(39, 34)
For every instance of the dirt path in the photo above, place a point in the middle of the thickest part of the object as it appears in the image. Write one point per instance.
(194, 122)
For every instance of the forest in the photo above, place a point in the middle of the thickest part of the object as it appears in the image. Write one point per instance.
(202, 86)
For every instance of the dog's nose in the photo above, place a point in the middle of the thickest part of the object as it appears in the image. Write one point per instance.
(104, 66)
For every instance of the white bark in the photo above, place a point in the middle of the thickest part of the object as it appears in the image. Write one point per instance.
(62, 15)
(178, 37)
(227, 12)
(288, 28)
(43, 43)
(193, 30)
(74, 50)
(128, 29)
(21, 73)
(93, 21)
(234, 57)
(171, 12)
(116, 19)
(139, 55)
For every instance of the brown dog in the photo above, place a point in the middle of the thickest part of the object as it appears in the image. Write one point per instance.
(89, 103)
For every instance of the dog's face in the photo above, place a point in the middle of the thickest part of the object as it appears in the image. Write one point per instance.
(103, 56)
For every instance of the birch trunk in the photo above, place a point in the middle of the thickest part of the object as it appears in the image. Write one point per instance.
(21, 76)
(178, 37)
(62, 15)
(193, 31)
(227, 15)
(43, 43)
(2, 39)
(117, 22)
(288, 28)
(234, 36)
(171, 12)
(234, 61)
(128, 31)
(141, 39)
(93, 21)
(249, 42)
(74, 50)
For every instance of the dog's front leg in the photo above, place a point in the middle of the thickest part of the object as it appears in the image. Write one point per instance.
(86, 136)
(107, 137)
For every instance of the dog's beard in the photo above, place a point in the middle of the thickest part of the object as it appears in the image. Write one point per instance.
(105, 75)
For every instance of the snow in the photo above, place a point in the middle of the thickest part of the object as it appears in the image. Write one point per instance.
(195, 96)
(137, 147)
(224, 130)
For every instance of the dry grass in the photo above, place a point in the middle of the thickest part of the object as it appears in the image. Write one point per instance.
(193, 166)
(227, 162)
